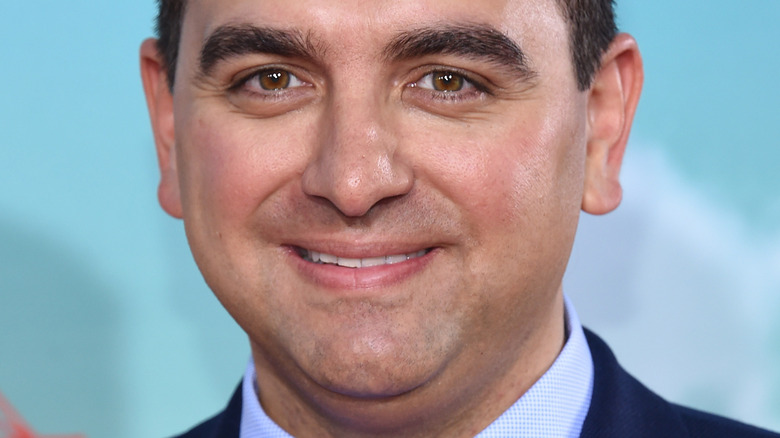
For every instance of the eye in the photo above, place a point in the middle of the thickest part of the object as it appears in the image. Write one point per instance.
(270, 90)
(445, 82)
(272, 80)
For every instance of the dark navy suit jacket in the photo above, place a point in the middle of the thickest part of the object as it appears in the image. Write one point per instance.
(621, 407)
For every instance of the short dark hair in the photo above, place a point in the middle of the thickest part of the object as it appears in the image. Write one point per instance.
(170, 17)
(591, 29)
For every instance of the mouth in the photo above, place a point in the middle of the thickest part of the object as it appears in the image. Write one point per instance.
(357, 263)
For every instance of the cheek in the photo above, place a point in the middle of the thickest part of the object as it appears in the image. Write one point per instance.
(548, 170)
(238, 164)
(514, 175)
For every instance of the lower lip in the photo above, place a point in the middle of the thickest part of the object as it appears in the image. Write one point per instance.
(342, 279)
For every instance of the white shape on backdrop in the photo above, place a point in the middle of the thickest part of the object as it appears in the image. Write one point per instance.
(685, 292)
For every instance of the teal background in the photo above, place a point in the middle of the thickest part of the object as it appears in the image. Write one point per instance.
(106, 327)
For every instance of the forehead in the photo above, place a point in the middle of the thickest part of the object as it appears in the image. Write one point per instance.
(358, 23)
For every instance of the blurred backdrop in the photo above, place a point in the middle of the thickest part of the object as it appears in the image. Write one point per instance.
(107, 329)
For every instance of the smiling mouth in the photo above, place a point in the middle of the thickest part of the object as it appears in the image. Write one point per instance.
(330, 259)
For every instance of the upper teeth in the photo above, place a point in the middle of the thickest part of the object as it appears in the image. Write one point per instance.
(320, 257)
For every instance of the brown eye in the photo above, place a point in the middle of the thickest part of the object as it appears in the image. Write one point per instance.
(273, 79)
(444, 82)
(447, 81)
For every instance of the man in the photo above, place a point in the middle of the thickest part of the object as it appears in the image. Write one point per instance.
(384, 195)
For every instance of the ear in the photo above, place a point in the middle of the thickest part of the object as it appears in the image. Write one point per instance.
(612, 102)
(159, 100)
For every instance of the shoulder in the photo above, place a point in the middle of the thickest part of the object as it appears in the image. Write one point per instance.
(206, 429)
(622, 406)
(702, 424)
(225, 424)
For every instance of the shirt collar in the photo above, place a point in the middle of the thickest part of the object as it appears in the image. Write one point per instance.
(555, 406)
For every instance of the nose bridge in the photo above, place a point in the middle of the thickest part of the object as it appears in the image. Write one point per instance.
(357, 120)
(357, 162)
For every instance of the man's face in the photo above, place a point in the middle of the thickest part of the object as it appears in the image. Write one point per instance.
(407, 137)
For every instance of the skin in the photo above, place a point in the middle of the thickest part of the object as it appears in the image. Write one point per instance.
(358, 157)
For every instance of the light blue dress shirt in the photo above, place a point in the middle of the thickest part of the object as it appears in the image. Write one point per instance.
(554, 407)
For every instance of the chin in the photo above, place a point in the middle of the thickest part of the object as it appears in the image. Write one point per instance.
(374, 387)
(368, 380)
(375, 373)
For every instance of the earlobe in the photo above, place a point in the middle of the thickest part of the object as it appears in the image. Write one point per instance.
(612, 102)
(159, 101)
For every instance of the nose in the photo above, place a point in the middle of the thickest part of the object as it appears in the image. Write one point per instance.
(357, 162)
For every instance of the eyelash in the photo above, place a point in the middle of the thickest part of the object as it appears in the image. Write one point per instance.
(241, 83)
(477, 88)
(452, 96)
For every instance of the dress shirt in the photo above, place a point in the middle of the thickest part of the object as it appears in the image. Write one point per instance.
(554, 407)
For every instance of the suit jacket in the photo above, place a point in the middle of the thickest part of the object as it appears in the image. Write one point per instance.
(621, 407)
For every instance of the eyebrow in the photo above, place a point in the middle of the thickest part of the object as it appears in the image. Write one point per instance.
(469, 40)
(229, 41)
(475, 41)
